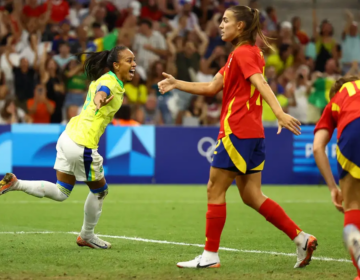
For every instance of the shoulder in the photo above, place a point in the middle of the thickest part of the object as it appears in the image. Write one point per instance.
(245, 51)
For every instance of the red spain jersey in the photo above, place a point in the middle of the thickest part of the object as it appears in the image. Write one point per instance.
(342, 109)
(241, 110)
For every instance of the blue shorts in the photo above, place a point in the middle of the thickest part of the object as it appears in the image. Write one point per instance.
(244, 156)
(348, 150)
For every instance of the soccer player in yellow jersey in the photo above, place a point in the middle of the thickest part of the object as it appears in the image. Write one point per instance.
(77, 157)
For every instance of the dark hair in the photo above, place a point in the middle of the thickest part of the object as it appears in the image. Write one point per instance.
(97, 62)
(283, 48)
(251, 18)
(325, 21)
(96, 25)
(269, 9)
(146, 21)
(124, 112)
(63, 43)
(4, 114)
(340, 82)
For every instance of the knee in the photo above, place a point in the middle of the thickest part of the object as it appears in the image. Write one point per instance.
(215, 195)
(102, 195)
(253, 199)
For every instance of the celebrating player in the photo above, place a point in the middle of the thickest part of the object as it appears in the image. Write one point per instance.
(343, 113)
(240, 151)
(77, 156)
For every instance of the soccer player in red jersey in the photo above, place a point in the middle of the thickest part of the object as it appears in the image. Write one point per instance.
(343, 113)
(240, 151)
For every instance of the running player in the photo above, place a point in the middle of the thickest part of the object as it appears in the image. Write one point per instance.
(343, 113)
(77, 157)
(240, 151)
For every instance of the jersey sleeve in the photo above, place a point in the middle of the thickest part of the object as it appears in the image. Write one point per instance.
(106, 85)
(221, 71)
(326, 121)
(249, 62)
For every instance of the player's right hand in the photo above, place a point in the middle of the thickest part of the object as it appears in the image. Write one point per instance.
(290, 123)
(167, 84)
(337, 199)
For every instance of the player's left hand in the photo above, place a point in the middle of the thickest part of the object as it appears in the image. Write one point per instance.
(290, 123)
(103, 101)
(337, 199)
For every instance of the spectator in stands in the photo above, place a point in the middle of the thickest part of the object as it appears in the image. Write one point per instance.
(64, 56)
(170, 8)
(269, 118)
(3, 89)
(24, 79)
(77, 13)
(10, 113)
(298, 95)
(271, 19)
(187, 53)
(71, 111)
(123, 117)
(155, 76)
(196, 114)
(286, 35)
(65, 37)
(76, 84)
(210, 66)
(281, 60)
(151, 10)
(98, 15)
(40, 107)
(33, 9)
(136, 90)
(186, 13)
(149, 114)
(300, 34)
(324, 42)
(51, 77)
(59, 10)
(350, 44)
(149, 45)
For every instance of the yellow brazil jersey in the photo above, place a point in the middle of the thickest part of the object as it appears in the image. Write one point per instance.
(87, 128)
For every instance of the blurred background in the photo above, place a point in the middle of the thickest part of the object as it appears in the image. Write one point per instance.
(41, 82)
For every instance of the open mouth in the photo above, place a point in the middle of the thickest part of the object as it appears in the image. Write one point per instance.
(132, 72)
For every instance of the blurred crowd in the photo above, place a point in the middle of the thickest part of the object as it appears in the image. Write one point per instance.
(41, 81)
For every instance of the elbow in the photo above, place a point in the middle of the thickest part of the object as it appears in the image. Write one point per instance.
(318, 149)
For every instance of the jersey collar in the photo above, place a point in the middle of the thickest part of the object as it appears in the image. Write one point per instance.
(120, 82)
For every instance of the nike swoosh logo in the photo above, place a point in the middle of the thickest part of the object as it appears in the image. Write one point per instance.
(305, 245)
(102, 247)
(204, 266)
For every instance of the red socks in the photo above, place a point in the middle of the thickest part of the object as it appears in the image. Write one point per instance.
(274, 214)
(353, 217)
(215, 221)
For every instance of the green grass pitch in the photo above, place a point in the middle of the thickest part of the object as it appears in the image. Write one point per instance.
(166, 213)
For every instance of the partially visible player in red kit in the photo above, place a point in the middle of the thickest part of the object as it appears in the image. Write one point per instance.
(343, 113)
(240, 151)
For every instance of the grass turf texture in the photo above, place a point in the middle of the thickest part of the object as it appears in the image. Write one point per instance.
(176, 214)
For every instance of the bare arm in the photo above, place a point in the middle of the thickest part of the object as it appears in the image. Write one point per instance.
(101, 99)
(204, 40)
(284, 119)
(349, 20)
(206, 89)
(74, 71)
(315, 32)
(49, 106)
(321, 139)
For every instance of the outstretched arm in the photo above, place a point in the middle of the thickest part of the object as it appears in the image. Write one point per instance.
(206, 89)
(322, 138)
(284, 119)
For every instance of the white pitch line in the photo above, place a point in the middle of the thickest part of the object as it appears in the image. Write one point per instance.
(180, 244)
(158, 201)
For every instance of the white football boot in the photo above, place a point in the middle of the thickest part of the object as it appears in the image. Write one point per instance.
(205, 260)
(305, 250)
(351, 237)
(93, 242)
